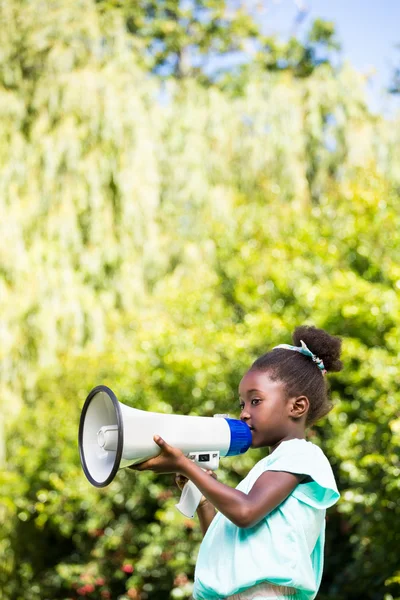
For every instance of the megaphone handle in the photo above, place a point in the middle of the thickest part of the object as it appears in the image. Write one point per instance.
(190, 499)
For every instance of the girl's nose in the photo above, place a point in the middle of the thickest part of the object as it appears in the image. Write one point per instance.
(244, 415)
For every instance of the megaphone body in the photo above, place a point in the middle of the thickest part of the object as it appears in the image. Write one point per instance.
(113, 436)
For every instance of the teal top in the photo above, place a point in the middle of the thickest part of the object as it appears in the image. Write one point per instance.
(286, 547)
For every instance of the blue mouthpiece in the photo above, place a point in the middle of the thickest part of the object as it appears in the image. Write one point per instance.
(240, 437)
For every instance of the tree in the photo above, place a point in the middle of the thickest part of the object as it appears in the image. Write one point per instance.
(395, 84)
(216, 41)
(182, 39)
(301, 58)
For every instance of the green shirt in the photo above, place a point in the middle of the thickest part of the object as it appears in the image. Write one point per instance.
(286, 547)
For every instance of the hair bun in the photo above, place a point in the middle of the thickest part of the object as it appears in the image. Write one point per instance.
(327, 347)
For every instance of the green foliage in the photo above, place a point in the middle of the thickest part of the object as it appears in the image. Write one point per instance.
(394, 87)
(301, 58)
(158, 244)
(211, 39)
(180, 38)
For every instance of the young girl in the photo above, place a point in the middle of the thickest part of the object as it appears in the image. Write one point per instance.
(267, 539)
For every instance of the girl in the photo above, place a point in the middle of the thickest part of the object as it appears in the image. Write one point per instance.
(267, 539)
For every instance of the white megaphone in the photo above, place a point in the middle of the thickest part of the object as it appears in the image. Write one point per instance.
(113, 436)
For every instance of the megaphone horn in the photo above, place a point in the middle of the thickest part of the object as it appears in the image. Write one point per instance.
(113, 436)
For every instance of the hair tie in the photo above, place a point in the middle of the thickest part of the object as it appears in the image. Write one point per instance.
(306, 352)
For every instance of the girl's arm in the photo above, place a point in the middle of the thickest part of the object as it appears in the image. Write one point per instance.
(244, 510)
(206, 512)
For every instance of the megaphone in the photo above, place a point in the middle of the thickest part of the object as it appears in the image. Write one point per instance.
(113, 436)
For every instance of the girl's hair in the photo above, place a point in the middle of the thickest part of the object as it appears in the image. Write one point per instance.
(299, 373)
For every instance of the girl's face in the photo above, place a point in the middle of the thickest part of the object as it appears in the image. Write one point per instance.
(265, 408)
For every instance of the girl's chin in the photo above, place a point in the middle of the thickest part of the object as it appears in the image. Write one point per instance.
(258, 442)
(254, 442)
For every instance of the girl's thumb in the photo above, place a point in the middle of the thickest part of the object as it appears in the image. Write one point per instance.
(158, 440)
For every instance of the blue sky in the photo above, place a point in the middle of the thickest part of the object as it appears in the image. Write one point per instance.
(368, 30)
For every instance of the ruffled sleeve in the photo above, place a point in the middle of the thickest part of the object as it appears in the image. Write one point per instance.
(305, 458)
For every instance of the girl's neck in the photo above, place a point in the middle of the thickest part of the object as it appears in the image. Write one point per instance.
(292, 436)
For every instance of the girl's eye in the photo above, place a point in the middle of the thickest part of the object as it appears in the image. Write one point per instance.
(241, 406)
(255, 401)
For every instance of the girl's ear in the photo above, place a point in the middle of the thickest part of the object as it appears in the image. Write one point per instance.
(299, 407)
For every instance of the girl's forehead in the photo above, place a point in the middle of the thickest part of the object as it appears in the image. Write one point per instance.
(258, 380)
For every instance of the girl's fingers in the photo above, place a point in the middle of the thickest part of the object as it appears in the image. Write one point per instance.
(144, 465)
(139, 466)
(180, 480)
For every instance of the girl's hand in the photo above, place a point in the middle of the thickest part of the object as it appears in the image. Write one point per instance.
(181, 480)
(169, 461)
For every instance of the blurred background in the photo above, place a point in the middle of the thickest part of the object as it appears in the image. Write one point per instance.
(183, 182)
